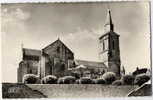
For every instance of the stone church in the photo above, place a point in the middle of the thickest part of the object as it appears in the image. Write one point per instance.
(57, 59)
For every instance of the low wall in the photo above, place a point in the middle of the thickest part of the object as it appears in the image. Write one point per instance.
(144, 90)
(16, 90)
(82, 90)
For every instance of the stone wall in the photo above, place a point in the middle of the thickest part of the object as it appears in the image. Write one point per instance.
(114, 53)
(82, 90)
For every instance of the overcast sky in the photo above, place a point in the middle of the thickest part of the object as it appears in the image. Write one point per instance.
(78, 25)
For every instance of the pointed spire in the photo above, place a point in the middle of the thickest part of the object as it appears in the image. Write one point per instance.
(108, 18)
(109, 24)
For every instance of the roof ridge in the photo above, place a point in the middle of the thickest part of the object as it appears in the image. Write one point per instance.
(31, 49)
(55, 42)
(88, 61)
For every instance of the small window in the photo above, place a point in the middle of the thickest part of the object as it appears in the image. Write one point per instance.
(113, 44)
(103, 46)
(62, 67)
(110, 53)
(58, 49)
(30, 71)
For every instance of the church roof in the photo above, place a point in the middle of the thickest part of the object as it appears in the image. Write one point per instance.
(58, 40)
(31, 52)
(90, 64)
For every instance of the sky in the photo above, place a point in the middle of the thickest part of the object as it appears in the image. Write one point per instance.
(78, 25)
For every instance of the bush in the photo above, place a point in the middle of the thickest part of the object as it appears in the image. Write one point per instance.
(30, 79)
(99, 81)
(117, 82)
(66, 80)
(85, 80)
(141, 79)
(128, 79)
(77, 81)
(109, 77)
(60, 80)
(50, 79)
(76, 75)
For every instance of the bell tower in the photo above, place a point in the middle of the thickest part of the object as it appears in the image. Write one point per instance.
(109, 46)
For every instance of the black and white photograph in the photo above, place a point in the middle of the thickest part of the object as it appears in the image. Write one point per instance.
(76, 49)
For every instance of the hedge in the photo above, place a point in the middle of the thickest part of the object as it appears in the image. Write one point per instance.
(66, 80)
(109, 77)
(128, 79)
(30, 79)
(50, 79)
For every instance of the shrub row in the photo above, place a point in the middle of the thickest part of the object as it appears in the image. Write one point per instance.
(107, 78)
(131, 80)
(30, 79)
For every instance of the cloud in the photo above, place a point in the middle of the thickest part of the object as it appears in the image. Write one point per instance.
(80, 35)
(20, 14)
(15, 18)
(16, 14)
(13, 26)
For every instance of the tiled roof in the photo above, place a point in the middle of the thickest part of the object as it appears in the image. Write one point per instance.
(90, 64)
(31, 52)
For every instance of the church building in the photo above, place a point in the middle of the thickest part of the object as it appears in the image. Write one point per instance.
(57, 59)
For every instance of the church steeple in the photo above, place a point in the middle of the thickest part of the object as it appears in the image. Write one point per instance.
(108, 26)
(109, 52)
